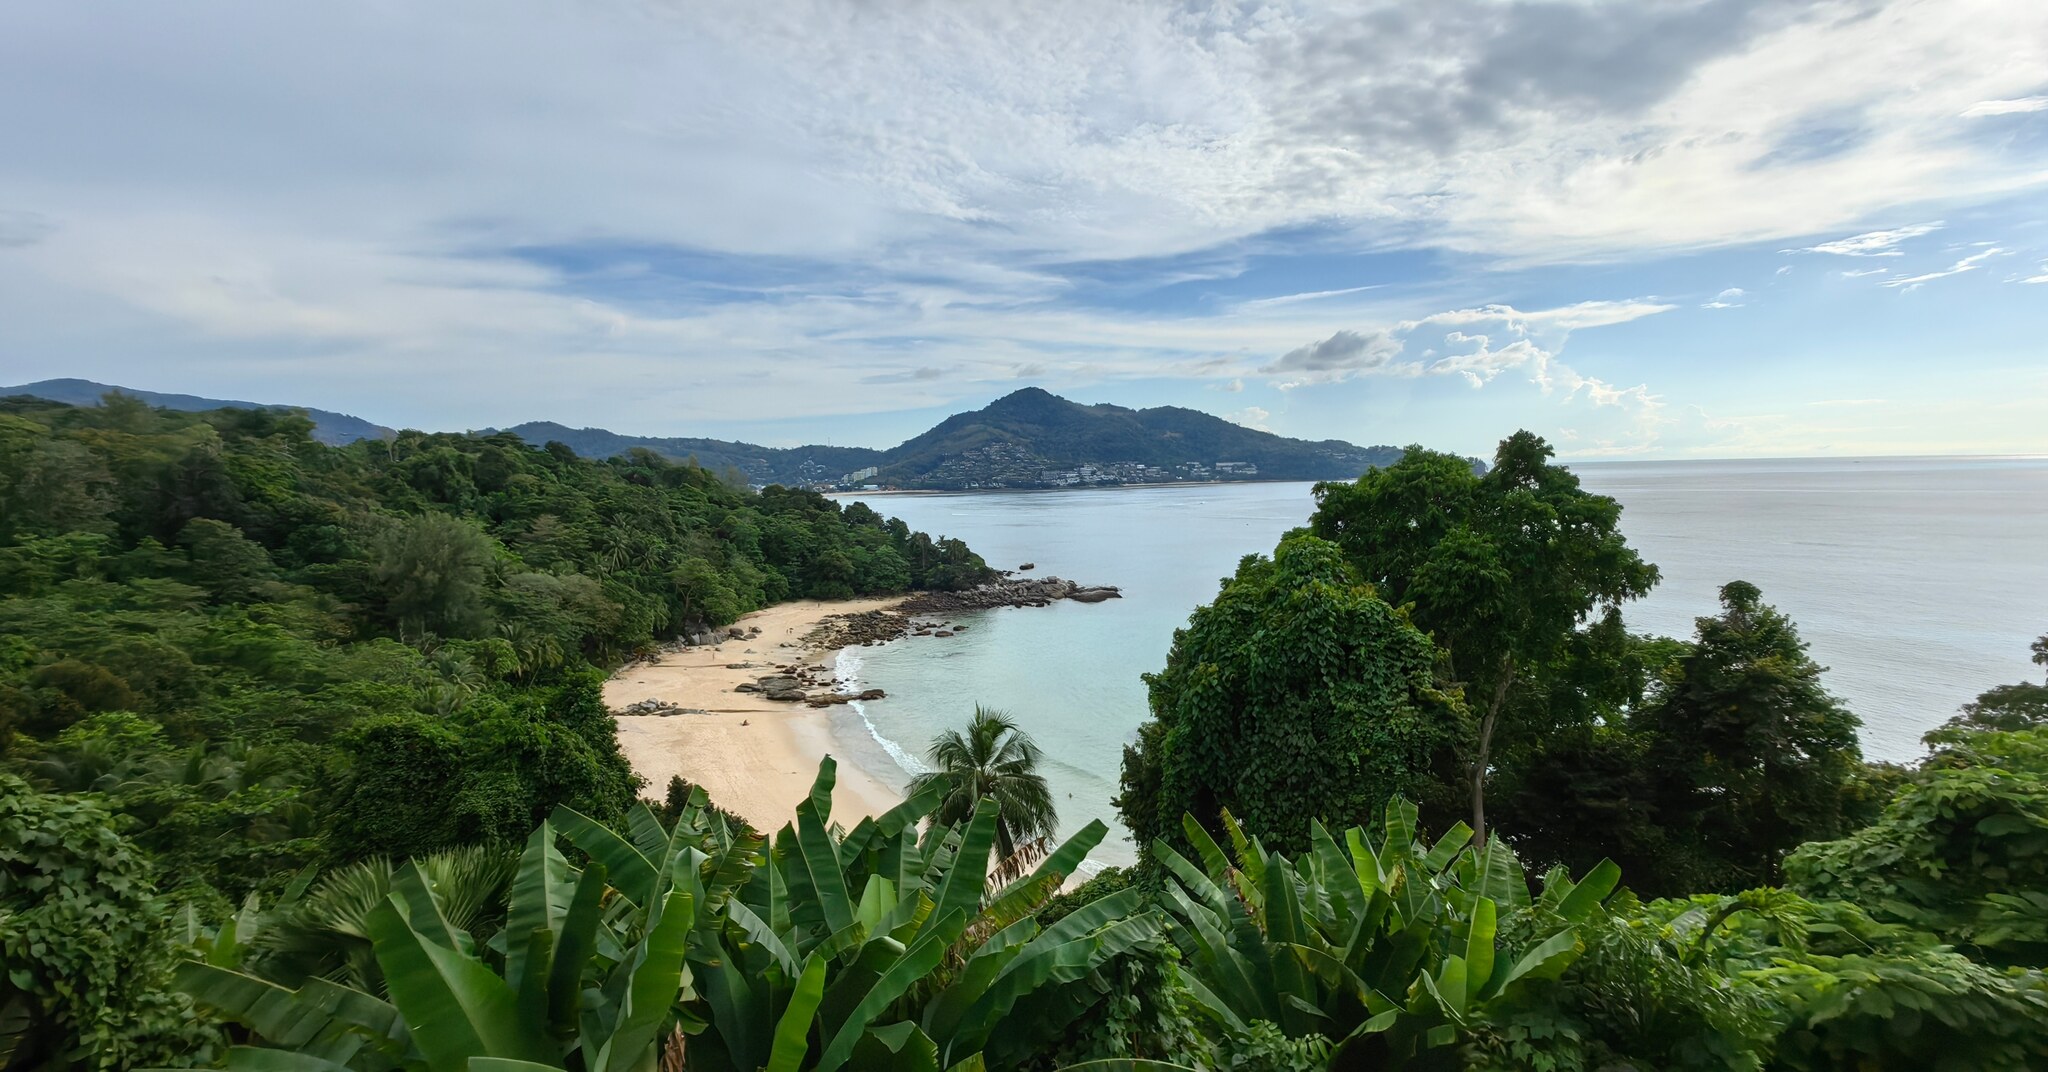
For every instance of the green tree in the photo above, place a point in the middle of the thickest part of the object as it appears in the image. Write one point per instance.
(704, 594)
(1298, 694)
(2019, 706)
(1751, 753)
(226, 563)
(994, 758)
(1500, 570)
(431, 570)
(86, 943)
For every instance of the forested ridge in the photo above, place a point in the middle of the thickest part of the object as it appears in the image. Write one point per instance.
(271, 653)
(306, 767)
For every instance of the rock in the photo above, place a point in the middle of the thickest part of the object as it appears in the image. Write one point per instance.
(1028, 566)
(942, 633)
(734, 632)
(786, 695)
(1095, 595)
(656, 708)
(1011, 592)
(959, 628)
(871, 694)
(739, 666)
(852, 630)
(777, 682)
(746, 686)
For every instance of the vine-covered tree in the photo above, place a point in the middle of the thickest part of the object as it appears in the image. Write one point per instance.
(86, 943)
(1298, 694)
(1500, 570)
(1960, 852)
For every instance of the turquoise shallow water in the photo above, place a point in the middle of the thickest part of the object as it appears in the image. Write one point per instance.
(1920, 582)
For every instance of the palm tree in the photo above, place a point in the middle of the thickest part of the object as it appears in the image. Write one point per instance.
(994, 758)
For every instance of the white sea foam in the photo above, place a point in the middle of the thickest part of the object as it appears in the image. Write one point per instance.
(846, 678)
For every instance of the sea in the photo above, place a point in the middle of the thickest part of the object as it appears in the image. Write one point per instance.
(1918, 583)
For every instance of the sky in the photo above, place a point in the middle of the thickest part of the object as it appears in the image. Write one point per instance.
(1706, 228)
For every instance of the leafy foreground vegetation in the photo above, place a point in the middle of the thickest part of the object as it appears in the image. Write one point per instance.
(328, 801)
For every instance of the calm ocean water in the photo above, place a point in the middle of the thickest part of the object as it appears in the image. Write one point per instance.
(1919, 582)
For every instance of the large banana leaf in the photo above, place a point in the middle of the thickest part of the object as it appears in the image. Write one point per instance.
(455, 1007)
(631, 872)
(658, 978)
(817, 863)
(959, 897)
(541, 892)
(916, 962)
(793, 1031)
(1020, 895)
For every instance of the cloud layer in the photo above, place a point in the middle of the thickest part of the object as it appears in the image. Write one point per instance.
(655, 214)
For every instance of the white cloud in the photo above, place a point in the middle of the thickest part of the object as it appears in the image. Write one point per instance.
(1514, 340)
(1872, 243)
(1252, 417)
(1293, 299)
(1858, 274)
(2006, 107)
(323, 203)
(1727, 299)
(1967, 264)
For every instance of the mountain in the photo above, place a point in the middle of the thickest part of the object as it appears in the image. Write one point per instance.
(1026, 439)
(1032, 438)
(331, 428)
(762, 465)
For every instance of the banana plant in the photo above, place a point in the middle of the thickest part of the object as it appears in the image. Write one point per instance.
(585, 984)
(886, 947)
(881, 947)
(1386, 945)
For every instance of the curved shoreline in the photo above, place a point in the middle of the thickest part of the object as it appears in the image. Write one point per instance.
(755, 757)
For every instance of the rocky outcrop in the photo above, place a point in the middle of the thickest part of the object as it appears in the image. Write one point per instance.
(855, 630)
(1012, 592)
(659, 709)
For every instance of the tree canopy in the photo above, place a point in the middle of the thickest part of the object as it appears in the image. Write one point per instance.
(1501, 570)
(1297, 694)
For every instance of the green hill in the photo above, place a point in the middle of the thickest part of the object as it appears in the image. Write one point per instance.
(333, 429)
(1026, 439)
(1032, 438)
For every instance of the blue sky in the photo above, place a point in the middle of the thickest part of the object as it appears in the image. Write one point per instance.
(1698, 228)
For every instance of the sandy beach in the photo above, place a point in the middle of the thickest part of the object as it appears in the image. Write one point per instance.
(756, 757)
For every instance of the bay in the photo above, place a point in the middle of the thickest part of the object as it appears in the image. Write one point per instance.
(1918, 581)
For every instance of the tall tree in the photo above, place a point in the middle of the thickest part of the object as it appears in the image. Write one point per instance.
(431, 567)
(994, 758)
(1501, 570)
(1297, 695)
(1751, 752)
